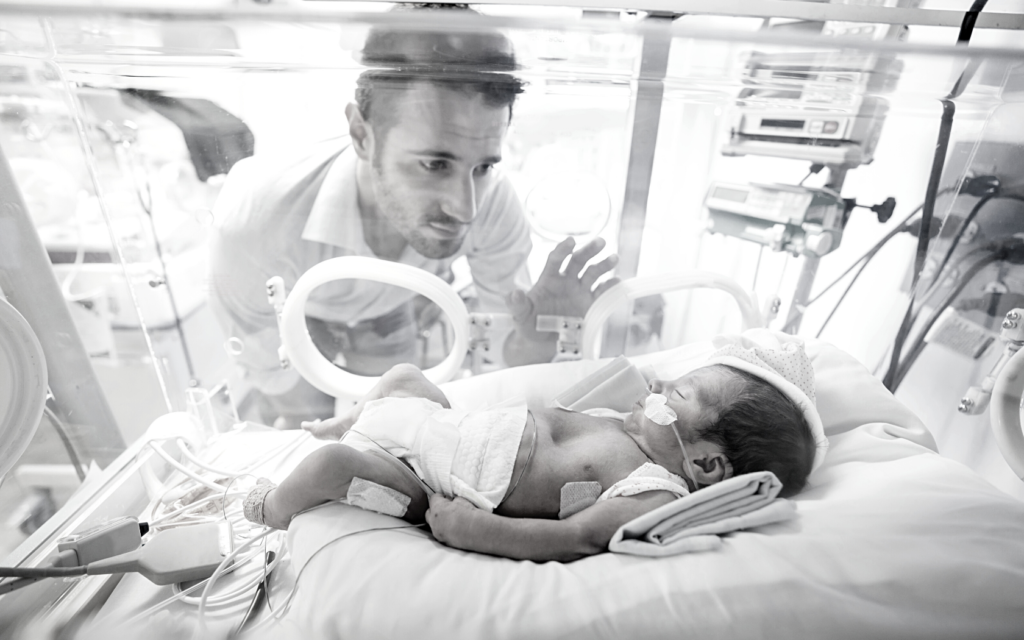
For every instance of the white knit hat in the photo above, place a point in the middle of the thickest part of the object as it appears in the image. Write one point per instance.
(779, 359)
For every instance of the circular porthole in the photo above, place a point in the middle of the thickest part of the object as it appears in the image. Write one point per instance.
(22, 385)
(568, 203)
(311, 364)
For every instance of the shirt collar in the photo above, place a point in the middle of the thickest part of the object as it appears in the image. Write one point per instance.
(334, 218)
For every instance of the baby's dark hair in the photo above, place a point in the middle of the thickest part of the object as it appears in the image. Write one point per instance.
(762, 429)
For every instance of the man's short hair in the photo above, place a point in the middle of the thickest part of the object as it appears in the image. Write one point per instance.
(762, 429)
(475, 63)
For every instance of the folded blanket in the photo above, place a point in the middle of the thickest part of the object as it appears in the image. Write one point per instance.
(693, 522)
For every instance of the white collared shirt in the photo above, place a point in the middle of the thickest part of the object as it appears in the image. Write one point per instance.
(280, 217)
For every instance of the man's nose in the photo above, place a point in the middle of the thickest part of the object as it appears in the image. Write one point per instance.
(656, 385)
(461, 201)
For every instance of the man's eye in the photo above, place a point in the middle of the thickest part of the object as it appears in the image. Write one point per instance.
(484, 169)
(435, 165)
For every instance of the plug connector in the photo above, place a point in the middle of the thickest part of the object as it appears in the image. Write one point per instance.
(980, 186)
(103, 541)
(175, 555)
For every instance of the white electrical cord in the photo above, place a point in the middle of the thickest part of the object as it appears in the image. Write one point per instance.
(242, 592)
(185, 451)
(195, 505)
(179, 594)
(200, 629)
(251, 567)
(183, 469)
(283, 609)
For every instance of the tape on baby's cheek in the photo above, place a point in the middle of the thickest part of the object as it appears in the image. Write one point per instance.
(657, 410)
(375, 497)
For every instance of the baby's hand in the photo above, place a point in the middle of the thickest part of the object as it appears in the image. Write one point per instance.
(329, 429)
(450, 520)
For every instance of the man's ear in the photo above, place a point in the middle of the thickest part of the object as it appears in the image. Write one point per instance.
(712, 468)
(360, 131)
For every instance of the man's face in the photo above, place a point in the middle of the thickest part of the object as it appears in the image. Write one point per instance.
(432, 161)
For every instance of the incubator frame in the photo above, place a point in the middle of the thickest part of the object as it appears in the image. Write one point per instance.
(121, 486)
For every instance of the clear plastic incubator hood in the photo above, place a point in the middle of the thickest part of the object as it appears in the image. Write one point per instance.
(219, 221)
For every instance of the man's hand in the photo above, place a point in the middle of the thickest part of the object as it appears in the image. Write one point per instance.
(561, 293)
(451, 521)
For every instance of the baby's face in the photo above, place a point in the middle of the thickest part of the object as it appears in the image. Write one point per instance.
(694, 399)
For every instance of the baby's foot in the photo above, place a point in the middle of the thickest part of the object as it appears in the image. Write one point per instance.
(329, 429)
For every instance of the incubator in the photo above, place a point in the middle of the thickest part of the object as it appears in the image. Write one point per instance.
(178, 288)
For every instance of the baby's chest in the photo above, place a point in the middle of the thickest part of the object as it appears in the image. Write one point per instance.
(604, 456)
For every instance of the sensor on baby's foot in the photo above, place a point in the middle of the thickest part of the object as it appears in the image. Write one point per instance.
(252, 506)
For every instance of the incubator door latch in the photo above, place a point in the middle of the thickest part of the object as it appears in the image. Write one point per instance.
(976, 400)
(276, 295)
(570, 333)
(484, 330)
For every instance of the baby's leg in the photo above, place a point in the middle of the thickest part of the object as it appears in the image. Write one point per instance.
(326, 474)
(401, 381)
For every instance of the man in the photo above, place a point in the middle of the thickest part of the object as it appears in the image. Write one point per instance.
(417, 184)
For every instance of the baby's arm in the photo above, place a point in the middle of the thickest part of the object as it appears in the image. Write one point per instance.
(457, 523)
(401, 381)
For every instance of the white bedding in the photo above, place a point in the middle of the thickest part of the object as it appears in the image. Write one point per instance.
(892, 541)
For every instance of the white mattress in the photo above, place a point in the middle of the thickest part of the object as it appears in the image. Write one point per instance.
(892, 541)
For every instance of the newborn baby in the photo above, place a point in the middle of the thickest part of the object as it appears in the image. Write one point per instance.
(554, 484)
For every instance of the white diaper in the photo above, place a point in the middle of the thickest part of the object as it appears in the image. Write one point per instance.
(456, 453)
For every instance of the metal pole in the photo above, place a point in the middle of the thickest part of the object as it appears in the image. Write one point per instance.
(650, 89)
(836, 177)
(26, 278)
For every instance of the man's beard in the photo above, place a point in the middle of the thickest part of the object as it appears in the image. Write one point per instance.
(433, 248)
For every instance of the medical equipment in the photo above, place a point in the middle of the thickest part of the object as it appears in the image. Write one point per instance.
(797, 219)
(657, 411)
(994, 243)
(1008, 398)
(821, 107)
(880, 491)
(703, 75)
(830, 136)
(297, 347)
(576, 337)
(22, 385)
(976, 400)
(377, 498)
(177, 555)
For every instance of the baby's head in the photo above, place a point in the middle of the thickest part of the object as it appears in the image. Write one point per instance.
(759, 428)
(732, 422)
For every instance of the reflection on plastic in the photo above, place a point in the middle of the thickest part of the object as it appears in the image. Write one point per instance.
(197, 401)
(234, 346)
(568, 204)
(204, 217)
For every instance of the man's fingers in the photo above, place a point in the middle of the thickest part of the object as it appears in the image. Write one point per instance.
(553, 267)
(519, 305)
(606, 285)
(582, 256)
(595, 271)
